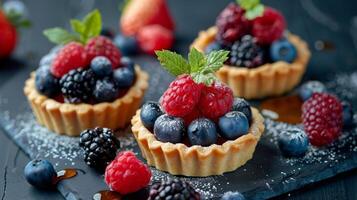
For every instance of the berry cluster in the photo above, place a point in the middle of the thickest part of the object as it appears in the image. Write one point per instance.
(195, 104)
(253, 34)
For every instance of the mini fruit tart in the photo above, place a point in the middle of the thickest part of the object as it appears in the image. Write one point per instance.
(198, 128)
(84, 82)
(265, 59)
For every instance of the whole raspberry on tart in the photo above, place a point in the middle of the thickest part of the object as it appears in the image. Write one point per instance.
(265, 59)
(195, 114)
(84, 75)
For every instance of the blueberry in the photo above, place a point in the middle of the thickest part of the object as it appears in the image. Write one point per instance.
(282, 50)
(124, 77)
(202, 132)
(310, 87)
(214, 46)
(232, 196)
(45, 82)
(169, 129)
(127, 45)
(233, 125)
(105, 91)
(101, 66)
(128, 63)
(293, 142)
(47, 59)
(150, 111)
(15, 7)
(347, 114)
(40, 173)
(107, 32)
(243, 106)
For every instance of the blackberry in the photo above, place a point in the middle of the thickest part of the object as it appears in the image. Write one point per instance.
(77, 85)
(173, 189)
(247, 53)
(100, 147)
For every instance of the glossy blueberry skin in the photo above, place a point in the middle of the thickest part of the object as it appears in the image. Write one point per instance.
(47, 59)
(107, 32)
(310, 87)
(40, 173)
(347, 114)
(169, 129)
(128, 63)
(45, 82)
(202, 132)
(15, 6)
(232, 196)
(241, 105)
(105, 90)
(293, 142)
(214, 46)
(101, 66)
(233, 125)
(150, 111)
(282, 50)
(124, 77)
(127, 45)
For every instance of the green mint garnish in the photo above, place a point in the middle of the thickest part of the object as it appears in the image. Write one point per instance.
(83, 30)
(253, 8)
(201, 67)
(17, 19)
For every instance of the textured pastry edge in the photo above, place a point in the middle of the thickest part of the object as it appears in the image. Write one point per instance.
(71, 119)
(270, 79)
(179, 159)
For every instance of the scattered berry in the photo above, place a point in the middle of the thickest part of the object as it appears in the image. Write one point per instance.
(268, 27)
(124, 77)
(246, 53)
(127, 174)
(232, 24)
(15, 7)
(181, 97)
(45, 82)
(310, 87)
(169, 129)
(154, 37)
(347, 114)
(215, 101)
(232, 196)
(71, 56)
(283, 50)
(8, 36)
(322, 118)
(77, 86)
(107, 32)
(173, 189)
(293, 142)
(150, 111)
(103, 46)
(105, 90)
(40, 173)
(214, 46)
(202, 132)
(100, 147)
(127, 45)
(233, 125)
(241, 105)
(101, 66)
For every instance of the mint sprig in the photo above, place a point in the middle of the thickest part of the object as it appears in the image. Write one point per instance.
(83, 30)
(199, 66)
(253, 8)
(18, 19)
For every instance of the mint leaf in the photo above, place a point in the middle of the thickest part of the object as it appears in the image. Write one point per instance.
(255, 12)
(77, 26)
(59, 35)
(248, 4)
(196, 60)
(173, 62)
(17, 19)
(92, 25)
(206, 79)
(214, 61)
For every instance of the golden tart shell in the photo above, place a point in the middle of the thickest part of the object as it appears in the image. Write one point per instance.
(270, 79)
(179, 159)
(72, 119)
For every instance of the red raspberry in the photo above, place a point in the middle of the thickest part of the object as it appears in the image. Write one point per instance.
(154, 37)
(181, 97)
(216, 100)
(322, 118)
(71, 56)
(8, 36)
(268, 27)
(127, 174)
(194, 114)
(232, 24)
(103, 46)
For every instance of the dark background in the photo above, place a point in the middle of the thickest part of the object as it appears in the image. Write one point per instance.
(334, 22)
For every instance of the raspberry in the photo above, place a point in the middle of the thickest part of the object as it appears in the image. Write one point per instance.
(194, 114)
(71, 56)
(154, 37)
(216, 100)
(322, 118)
(232, 24)
(127, 174)
(103, 46)
(181, 97)
(8, 36)
(268, 27)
